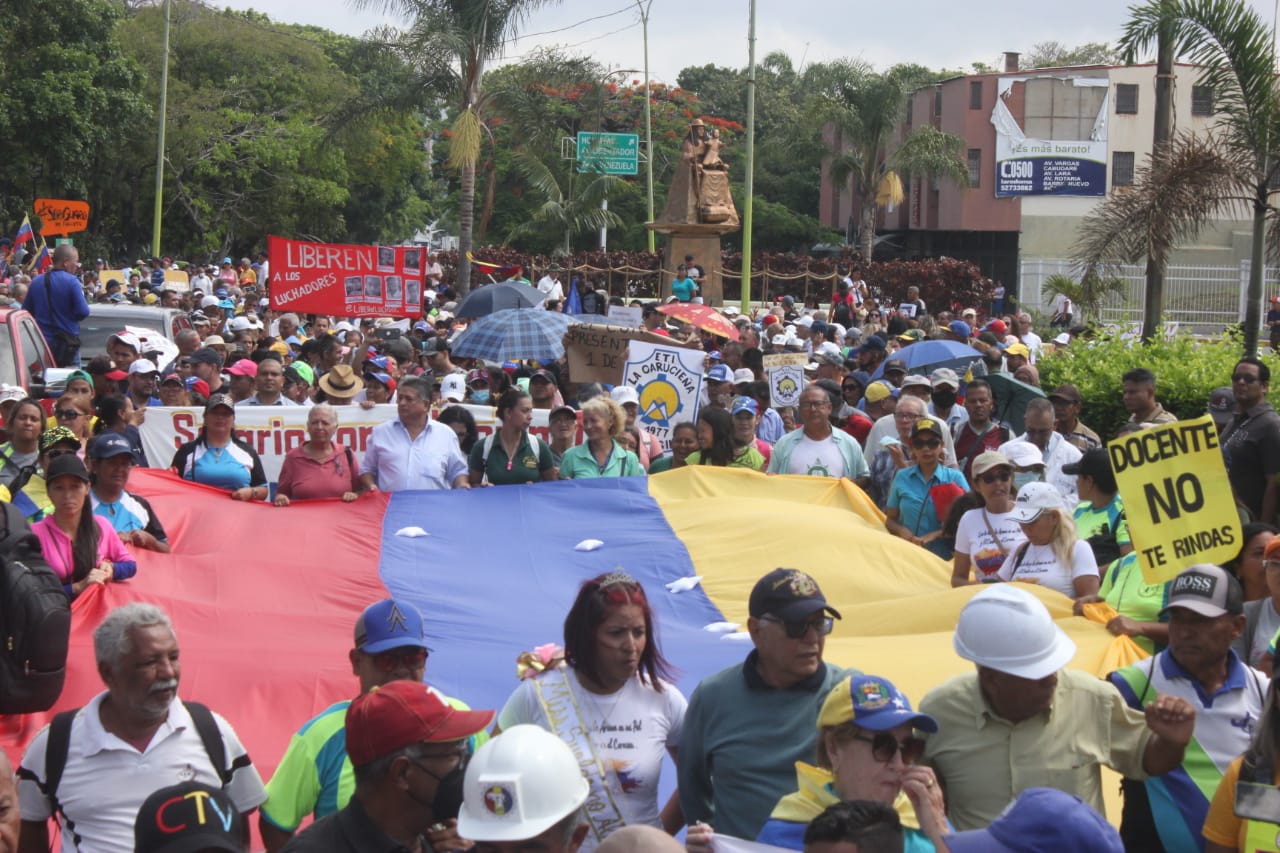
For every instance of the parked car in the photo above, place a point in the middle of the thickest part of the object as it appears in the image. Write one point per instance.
(25, 358)
(105, 320)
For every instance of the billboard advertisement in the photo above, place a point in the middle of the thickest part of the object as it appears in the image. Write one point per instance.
(1027, 165)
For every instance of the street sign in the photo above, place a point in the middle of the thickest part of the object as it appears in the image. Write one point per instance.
(609, 153)
(63, 241)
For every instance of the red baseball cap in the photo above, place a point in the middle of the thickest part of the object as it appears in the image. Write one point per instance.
(396, 715)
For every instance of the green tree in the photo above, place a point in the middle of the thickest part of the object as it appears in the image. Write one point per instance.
(864, 108)
(71, 103)
(1054, 54)
(1184, 185)
(453, 41)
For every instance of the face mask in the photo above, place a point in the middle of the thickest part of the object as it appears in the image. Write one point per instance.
(480, 396)
(1021, 478)
(447, 802)
(943, 399)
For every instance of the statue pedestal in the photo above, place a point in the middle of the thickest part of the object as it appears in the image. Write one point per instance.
(702, 240)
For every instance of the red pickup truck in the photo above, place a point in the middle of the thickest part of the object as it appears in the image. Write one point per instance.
(25, 358)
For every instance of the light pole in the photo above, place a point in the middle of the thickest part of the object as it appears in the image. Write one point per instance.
(164, 94)
(749, 189)
(643, 6)
(604, 202)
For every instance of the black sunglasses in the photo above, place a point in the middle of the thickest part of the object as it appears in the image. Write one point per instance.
(927, 444)
(796, 630)
(997, 477)
(67, 414)
(885, 745)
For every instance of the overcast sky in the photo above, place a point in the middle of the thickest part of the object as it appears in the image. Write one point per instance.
(935, 33)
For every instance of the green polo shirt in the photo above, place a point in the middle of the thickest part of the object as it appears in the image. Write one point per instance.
(526, 467)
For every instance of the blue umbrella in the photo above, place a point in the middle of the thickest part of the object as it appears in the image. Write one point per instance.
(513, 334)
(927, 356)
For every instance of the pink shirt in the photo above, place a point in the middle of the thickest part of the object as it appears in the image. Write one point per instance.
(57, 546)
(303, 478)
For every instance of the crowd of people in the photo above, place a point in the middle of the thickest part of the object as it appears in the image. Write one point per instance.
(784, 747)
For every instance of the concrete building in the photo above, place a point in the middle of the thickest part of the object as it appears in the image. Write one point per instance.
(1067, 137)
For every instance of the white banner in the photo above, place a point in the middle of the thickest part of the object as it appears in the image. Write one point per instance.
(669, 382)
(275, 430)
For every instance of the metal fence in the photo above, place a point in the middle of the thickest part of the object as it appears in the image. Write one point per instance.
(1199, 298)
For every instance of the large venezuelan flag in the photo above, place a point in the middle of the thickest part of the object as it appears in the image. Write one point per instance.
(264, 599)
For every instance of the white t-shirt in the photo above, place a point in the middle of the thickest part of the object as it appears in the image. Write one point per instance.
(816, 458)
(973, 537)
(632, 730)
(1040, 565)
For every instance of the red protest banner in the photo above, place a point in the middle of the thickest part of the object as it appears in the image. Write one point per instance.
(346, 281)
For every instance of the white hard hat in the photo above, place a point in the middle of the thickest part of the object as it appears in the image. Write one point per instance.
(519, 785)
(1008, 629)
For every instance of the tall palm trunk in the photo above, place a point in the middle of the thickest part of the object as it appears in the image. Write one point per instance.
(868, 226)
(467, 200)
(1158, 257)
(1253, 294)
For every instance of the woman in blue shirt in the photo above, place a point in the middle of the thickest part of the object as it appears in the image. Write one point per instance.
(683, 288)
(600, 455)
(911, 511)
(217, 458)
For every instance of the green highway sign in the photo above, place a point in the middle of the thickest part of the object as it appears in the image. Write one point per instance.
(609, 153)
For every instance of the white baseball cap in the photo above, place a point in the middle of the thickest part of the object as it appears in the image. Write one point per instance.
(453, 388)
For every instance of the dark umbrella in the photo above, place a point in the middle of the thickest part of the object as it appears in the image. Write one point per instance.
(1012, 397)
(498, 297)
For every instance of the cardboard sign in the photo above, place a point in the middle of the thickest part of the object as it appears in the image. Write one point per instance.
(175, 280)
(630, 317)
(275, 430)
(786, 382)
(62, 216)
(1177, 497)
(785, 358)
(346, 281)
(596, 353)
(669, 382)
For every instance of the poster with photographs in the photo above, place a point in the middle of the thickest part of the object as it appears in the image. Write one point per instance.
(346, 280)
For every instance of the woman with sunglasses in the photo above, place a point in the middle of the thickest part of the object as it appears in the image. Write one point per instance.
(79, 384)
(80, 547)
(1053, 555)
(75, 414)
(921, 493)
(613, 702)
(868, 746)
(988, 534)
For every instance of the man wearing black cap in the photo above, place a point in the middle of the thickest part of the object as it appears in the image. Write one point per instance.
(1205, 614)
(753, 721)
(206, 364)
(1067, 404)
(895, 371)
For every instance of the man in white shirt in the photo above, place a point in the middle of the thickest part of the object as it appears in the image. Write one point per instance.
(551, 286)
(1022, 328)
(412, 452)
(1039, 421)
(817, 450)
(134, 737)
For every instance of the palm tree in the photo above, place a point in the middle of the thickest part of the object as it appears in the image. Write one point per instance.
(453, 42)
(576, 210)
(1191, 180)
(864, 108)
(1088, 293)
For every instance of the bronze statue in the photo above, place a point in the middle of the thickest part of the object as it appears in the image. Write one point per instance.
(700, 189)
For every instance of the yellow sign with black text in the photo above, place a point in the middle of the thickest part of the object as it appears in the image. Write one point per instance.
(1177, 498)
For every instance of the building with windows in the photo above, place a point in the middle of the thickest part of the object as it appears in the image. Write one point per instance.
(1044, 147)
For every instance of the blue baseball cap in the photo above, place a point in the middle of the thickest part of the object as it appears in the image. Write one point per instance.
(745, 404)
(390, 624)
(227, 305)
(109, 444)
(720, 373)
(871, 703)
(1041, 820)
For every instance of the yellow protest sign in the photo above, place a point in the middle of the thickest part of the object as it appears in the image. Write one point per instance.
(1177, 498)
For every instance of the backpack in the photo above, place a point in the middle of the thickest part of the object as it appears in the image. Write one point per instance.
(488, 446)
(35, 622)
(843, 313)
(58, 746)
